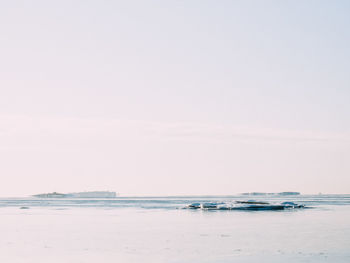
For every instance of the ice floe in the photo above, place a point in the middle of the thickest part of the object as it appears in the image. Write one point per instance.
(244, 205)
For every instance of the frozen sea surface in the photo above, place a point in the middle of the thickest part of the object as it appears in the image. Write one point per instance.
(154, 230)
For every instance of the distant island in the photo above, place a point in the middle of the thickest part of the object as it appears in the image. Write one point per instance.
(281, 193)
(93, 194)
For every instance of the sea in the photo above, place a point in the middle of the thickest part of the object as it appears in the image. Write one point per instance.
(158, 229)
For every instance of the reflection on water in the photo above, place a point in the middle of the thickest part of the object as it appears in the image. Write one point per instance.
(153, 230)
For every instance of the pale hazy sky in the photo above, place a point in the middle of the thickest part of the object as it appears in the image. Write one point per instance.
(174, 97)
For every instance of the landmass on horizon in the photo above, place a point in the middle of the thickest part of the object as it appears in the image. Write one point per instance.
(91, 194)
(109, 194)
(281, 193)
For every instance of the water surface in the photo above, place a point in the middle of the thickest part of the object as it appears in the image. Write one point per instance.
(153, 229)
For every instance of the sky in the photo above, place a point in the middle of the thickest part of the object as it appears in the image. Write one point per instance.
(174, 97)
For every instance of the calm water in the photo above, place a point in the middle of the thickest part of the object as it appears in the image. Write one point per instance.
(155, 230)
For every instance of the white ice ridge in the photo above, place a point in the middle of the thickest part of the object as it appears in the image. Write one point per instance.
(244, 205)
